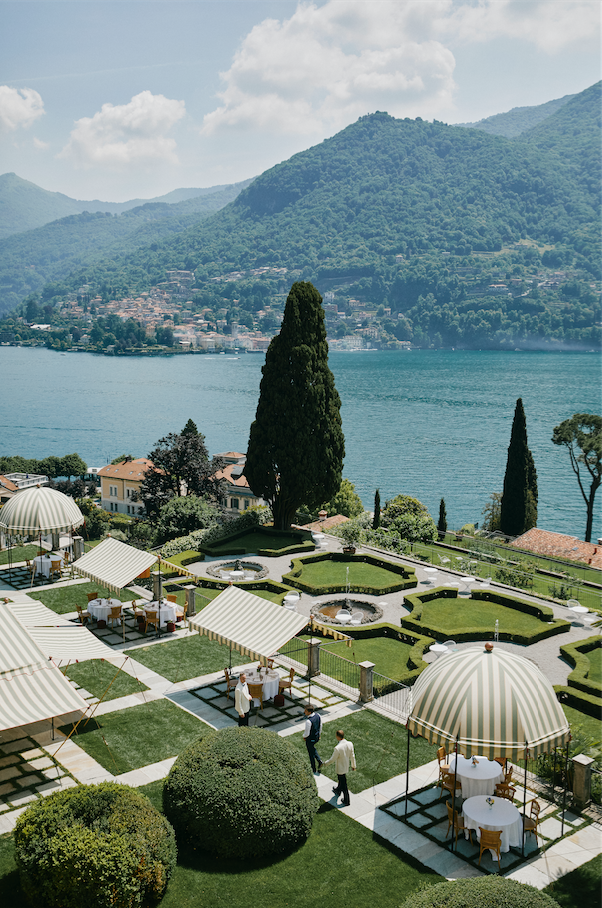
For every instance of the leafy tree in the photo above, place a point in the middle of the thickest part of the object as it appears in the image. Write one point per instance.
(442, 522)
(410, 518)
(72, 465)
(582, 436)
(181, 467)
(296, 444)
(190, 428)
(121, 458)
(518, 511)
(376, 518)
(96, 521)
(182, 516)
(491, 512)
(346, 501)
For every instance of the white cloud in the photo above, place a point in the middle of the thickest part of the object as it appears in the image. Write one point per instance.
(326, 65)
(41, 146)
(19, 107)
(119, 136)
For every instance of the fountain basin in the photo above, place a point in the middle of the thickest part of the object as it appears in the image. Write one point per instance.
(346, 612)
(238, 570)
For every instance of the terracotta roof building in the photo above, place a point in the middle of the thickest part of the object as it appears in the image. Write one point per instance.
(119, 481)
(238, 496)
(556, 545)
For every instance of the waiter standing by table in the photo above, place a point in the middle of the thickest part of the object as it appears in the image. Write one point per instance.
(242, 700)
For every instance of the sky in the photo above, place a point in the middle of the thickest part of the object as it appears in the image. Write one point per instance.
(132, 99)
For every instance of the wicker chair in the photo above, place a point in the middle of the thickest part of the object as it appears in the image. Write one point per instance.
(442, 761)
(531, 822)
(286, 683)
(491, 840)
(181, 612)
(256, 692)
(230, 682)
(457, 822)
(115, 615)
(448, 782)
(55, 567)
(171, 597)
(92, 596)
(151, 618)
(84, 617)
(502, 790)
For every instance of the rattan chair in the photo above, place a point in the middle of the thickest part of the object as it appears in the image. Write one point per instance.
(457, 822)
(491, 839)
(55, 567)
(508, 775)
(84, 617)
(502, 790)
(151, 618)
(286, 683)
(531, 822)
(230, 682)
(181, 612)
(256, 692)
(115, 615)
(442, 761)
(449, 782)
(92, 596)
(171, 597)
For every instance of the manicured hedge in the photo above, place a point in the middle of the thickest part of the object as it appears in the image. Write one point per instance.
(189, 556)
(576, 654)
(94, 845)
(301, 541)
(416, 601)
(241, 793)
(579, 700)
(486, 892)
(418, 643)
(406, 574)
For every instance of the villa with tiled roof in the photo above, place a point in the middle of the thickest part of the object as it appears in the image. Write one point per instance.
(119, 481)
(556, 545)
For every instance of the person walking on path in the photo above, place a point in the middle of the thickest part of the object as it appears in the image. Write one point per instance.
(242, 700)
(342, 756)
(311, 733)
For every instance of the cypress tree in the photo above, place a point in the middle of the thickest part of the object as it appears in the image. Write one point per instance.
(296, 443)
(518, 511)
(442, 522)
(376, 518)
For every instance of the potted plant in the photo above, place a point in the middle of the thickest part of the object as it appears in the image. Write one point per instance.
(351, 534)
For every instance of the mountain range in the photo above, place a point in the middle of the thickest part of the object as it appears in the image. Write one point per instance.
(381, 200)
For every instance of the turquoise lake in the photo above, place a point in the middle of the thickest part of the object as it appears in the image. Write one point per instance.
(430, 424)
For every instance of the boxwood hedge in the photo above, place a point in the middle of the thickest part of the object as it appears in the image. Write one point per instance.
(406, 577)
(487, 892)
(102, 845)
(241, 793)
(576, 654)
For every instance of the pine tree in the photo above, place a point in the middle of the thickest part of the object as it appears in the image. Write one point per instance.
(376, 518)
(442, 523)
(518, 512)
(296, 444)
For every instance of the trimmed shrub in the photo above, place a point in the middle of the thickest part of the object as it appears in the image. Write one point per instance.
(241, 793)
(576, 654)
(102, 845)
(406, 575)
(492, 891)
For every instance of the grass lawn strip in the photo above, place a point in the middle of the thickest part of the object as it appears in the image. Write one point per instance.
(589, 724)
(454, 615)
(389, 656)
(334, 573)
(580, 887)
(18, 553)
(64, 599)
(188, 657)
(100, 677)
(132, 738)
(595, 665)
(380, 748)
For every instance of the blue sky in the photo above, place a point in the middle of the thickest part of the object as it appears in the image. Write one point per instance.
(131, 99)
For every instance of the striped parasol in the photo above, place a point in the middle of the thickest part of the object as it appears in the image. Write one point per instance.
(40, 510)
(490, 702)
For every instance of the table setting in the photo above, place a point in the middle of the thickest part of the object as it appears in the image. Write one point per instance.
(166, 611)
(43, 563)
(477, 775)
(494, 814)
(269, 679)
(100, 609)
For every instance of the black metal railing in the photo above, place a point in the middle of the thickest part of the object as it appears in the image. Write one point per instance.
(338, 669)
(391, 695)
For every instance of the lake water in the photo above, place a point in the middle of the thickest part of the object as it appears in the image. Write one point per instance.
(430, 424)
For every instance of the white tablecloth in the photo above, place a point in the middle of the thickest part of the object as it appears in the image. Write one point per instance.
(43, 564)
(503, 816)
(101, 608)
(477, 780)
(269, 680)
(168, 611)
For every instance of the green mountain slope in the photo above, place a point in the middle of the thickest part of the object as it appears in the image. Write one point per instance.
(516, 121)
(25, 206)
(49, 253)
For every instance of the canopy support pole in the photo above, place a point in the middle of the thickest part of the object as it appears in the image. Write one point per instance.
(454, 792)
(407, 768)
(566, 782)
(525, 799)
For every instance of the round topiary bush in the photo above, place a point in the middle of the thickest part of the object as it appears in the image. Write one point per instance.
(102, 845)
(492, 891)
(240, 793)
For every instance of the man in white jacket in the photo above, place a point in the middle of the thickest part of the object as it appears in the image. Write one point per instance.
(242, 700)
(342, 756)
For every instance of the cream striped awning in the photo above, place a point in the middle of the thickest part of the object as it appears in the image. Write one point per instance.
(31, 687)
(114, 564)
(58, 638)
(490, 702)
(40, 510)
(32, 613)
(255, 627)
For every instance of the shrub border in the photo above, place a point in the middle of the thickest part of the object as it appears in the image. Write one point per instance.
(415, 602)
(579, 700)
(305, 544)
(293, 578)
(576, 655)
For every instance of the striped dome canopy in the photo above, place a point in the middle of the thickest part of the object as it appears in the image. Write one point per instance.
(490, 702)
(40, 510)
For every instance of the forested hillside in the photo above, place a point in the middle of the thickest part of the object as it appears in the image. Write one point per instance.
(516, 121)
(468, 238)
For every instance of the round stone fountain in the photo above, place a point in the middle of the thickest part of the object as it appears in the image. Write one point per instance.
(237, 570)
(346, 612)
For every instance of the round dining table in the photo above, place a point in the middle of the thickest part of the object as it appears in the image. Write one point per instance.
(43, 564)
(502, 816)
(101, 608)
(477, 780)
(167, 612)
(439, 649)
(268, 679)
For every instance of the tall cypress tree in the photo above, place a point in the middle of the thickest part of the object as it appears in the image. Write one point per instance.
(442, 522)
(519, 499)
(376, 518)
(296, 444)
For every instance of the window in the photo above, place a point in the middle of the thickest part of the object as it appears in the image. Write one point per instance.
(234, 504)
(128, 509)
(128, 494)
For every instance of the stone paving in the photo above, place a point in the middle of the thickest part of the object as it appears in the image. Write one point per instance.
(40, 761)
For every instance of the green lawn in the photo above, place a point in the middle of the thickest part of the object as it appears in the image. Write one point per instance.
(455, 615)
(595, 665)
(18, 553)
(131, 738)
(340, 864)
(253, 541)
(334, 573)
(188, 657)
(389, 656)
(380, 748)
(64, 599)
(579, 888)
(100, 677)
(589, 725)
